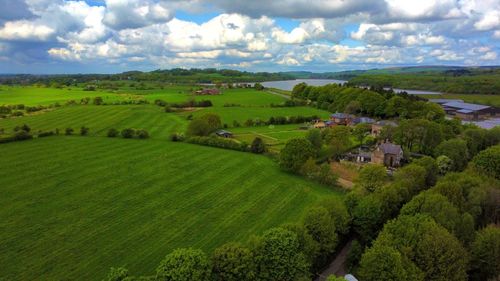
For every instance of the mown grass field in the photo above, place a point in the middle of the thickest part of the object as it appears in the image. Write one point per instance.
(274, 135)
(101, 118)
(72, 207)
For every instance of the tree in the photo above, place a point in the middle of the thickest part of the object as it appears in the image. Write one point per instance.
(353, 107)
(314, 137)
(278, 257)
(338, 140)
(295, 154)
(368, 217)
(98, 100)
(258, 87)
(413, 177)
(339, 214)
(113, 133)
(84, 131)
(431, 169)
(456, 150)
(372, 177)
(128, 133)
(486, 254)
(142, 134)
(258, 146)
(233, 262)
(69, 131)
(488, 162)
(198, 127)
(360, 132)
(213, 121)
(320, 225)
(383, 263)
(444, 164)
(184, 265)
(117, 274)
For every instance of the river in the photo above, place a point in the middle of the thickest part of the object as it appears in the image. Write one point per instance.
(288, 85)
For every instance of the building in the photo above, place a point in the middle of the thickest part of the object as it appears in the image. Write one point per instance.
(387, 154)
(342, 118)
(224, 134)
(208, 92)
(320, 124)
(470, 111)
(443, 101)
(377, 127)
(362, 120)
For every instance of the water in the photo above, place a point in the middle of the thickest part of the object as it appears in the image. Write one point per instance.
(288, 85)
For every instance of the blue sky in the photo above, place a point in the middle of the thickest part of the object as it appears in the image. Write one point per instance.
(107, 36)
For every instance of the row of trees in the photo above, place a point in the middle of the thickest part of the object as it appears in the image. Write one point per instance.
(290, 252)
(128, 133)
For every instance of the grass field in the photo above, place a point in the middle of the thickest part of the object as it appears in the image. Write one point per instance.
(273, 135)
(72, 207)
(101, 118)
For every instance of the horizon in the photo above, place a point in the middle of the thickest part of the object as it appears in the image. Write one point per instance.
(114, 36)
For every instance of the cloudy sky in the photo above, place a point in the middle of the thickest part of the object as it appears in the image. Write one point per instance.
(103, 36)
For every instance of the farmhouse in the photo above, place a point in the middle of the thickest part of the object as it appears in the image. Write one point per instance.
(341, 118)
(469, 111)
(377, 127)
(208, 92)
(388, 154)
(224, 134)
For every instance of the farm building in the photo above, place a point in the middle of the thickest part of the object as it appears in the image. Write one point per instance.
(388, 154)
(470, 111)
(342, 118)
(443, 101)
(362, 120)
(208, 92)
(224, 134)
(377, 127)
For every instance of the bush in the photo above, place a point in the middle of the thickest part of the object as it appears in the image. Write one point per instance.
(219, 142)
(128, 133)
(176, 137)
(69, 131)
(113, 133)
(84, 131)
(258, 146)
(45, 134)
(22, 135)
(184, 265)
(98, 100)
(142, 134)
(22, 128)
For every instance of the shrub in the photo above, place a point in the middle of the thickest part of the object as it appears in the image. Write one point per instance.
(184, 265)
(117, 274)
(17, 113)
(258, 146)
(142, 134)
(219, 142)
(176, 137)
(128, 133)
(295, 153)
(22, 128)
(22, 135)
(113, 133)
(84, 131)
(69, 131)
(98, 100)
(233, 262)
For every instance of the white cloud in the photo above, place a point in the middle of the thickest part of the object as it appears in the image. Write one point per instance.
(122, 14)
(25, 30)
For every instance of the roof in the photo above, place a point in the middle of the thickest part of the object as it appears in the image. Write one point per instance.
(390, 148)
(350, 277)
(386, 123)
(441, 101)
(364, 120)
(342, 115)
(223, 132)
(468, 106)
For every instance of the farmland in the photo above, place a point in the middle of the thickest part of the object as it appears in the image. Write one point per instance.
(74, 206)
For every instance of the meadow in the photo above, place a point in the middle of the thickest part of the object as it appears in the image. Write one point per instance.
(74, 206)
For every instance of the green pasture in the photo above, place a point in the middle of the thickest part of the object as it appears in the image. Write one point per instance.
(273, 135)
(101, 118)
(72, 207)
(45, 96)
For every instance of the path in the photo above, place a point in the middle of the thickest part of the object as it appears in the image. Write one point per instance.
(338, 265)
(279, 94)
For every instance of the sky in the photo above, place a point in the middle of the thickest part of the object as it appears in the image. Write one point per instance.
(110, 36)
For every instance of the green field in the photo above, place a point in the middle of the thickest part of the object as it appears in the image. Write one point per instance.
(274, 135)
(72, 207)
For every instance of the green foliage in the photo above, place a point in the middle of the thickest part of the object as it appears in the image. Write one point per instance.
(444, 164)
(488, 161)
(456, 150)
(314, 137)
(354, 255)
(232, 262)
(204, 125)
(384, 263)
(98, 100)
(219, 142)
(339, 214)
(368, 217)
(84, 131)
(372, 177)
(128, 133)
(142, 134)
(295, 153)
(320, 225)
(431, 169)
(321, 173)
(413, 177)
(419, 135)
(113, 133)
(338, 140)
(361, 131)
(278, 257)
(184, 265)
(258, 146)
(486, 254)
(117, 274)
(68, 131)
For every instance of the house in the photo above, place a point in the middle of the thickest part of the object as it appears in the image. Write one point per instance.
(341, 118)
(377, 126)
(362, 120)
(208, 92)
(387, 154)
(470, 111)
(224, 134)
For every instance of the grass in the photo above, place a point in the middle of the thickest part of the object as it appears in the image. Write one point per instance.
(45, 96)
(476, 98)
(101, 118)
(273, 135)
(72, 207)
